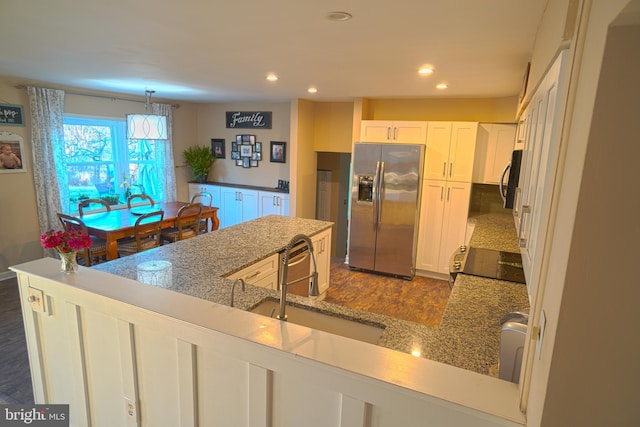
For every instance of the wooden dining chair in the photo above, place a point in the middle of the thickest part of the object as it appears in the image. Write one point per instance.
(187, 224)
(95, 254)
(206, 199)
(146, 234)
(82, 206)
(135, 198)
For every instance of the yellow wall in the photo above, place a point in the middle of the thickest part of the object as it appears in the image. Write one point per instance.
(450, 109)
(333, 126)
(303, 166)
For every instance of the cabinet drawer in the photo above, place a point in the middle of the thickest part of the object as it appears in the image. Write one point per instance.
(260, 273)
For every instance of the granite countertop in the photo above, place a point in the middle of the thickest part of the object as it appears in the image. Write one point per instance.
(468, 336)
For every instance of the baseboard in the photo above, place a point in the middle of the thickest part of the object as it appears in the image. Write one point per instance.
(432, 275)
(6, 275)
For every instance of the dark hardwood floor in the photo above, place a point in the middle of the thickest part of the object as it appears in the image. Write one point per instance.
(15, 376)
(420, 300)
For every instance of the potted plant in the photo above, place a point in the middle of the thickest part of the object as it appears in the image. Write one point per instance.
(199, 158)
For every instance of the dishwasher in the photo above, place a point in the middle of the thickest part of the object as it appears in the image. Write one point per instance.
(299, 267)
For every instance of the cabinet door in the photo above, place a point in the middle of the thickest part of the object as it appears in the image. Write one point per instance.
(250, 205)
(462, 150)
(375, 131)
(322, 252)
(231, 210)
(273, 203)
(454, 221)
(409, 132)
(494, 146)
(430, 229)
(437, 153)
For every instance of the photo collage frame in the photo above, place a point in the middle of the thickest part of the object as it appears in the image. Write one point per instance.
(246, 151)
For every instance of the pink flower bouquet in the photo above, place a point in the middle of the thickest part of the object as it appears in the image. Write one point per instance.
(65, 241)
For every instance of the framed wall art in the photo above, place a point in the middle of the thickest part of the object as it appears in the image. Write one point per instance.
(246, 150)
(218, 148)
(278, 152)
(12, 153)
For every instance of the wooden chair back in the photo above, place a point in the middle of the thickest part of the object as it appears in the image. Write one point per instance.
(85, 203)
(147, 230)
(188, 220)
(97, 249)
(204, 197)
(135, 198)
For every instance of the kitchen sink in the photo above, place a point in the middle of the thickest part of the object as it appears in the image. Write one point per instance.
(322, 321)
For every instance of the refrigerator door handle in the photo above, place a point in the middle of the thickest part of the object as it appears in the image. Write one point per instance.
(375, 196)
(503, 190)
(380, 187)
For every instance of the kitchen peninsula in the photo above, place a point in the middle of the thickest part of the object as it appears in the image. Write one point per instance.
(101, 337)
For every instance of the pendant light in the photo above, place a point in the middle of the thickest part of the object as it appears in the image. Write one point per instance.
(147, 126)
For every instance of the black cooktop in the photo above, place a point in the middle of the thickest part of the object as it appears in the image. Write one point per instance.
(494, 264)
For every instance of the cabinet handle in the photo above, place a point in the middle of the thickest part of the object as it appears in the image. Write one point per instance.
(395, 133)
(441, 193)
(522, 241)
(253, 276)
(450, 169)
(444, 168)
(388, 133)
(448, 194)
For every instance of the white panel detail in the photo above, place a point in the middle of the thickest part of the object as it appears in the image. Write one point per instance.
(354, 412)
(187, 383)
(260, 396)
(128, 363)
(75, 344)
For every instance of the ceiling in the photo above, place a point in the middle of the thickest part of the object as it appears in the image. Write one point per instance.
(214, 51)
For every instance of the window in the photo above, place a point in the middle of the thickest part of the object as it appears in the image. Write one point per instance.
(102, 163)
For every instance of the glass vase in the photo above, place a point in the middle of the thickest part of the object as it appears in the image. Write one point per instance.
(69, 262)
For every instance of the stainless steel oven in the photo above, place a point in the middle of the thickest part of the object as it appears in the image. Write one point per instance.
(299, 267)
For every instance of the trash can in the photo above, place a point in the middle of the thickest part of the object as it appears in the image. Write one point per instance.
(512, 338)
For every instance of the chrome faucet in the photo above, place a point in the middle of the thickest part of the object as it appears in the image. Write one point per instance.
(313, 283)
(233, 287)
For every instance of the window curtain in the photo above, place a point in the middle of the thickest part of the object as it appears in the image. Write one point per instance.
(167, 176)
(47, 139)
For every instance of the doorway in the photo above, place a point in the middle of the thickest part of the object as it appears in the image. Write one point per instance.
(332, 197)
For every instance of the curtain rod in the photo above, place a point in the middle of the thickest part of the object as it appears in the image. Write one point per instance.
(113, 98)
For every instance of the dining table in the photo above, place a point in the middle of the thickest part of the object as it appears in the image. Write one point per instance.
(120, 223)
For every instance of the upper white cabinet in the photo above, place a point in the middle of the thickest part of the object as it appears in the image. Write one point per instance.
(542, 135)
(273, 203)
(494, 145)
(406, 132)
(450, 151)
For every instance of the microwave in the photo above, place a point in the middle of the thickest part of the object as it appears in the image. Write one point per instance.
(512, 173)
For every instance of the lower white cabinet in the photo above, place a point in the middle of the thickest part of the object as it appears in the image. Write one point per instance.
(238, 205)
(263, 273)
(322, 252)
(272, 203)
(443, 223)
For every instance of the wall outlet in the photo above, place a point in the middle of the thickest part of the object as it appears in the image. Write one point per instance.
(36, 300)
(131, 411)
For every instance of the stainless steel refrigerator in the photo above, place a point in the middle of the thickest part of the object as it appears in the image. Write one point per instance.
(385, 200)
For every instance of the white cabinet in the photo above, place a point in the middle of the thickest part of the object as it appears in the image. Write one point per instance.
(494, 146)
(322, 252)
(443, 223)
(450, 151)
(406, 132)
(206, 188)
(542, 134)
(238, 205)
(263, 273)
(272, 203)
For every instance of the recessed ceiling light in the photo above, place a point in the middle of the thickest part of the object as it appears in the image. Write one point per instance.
(425, 70)
(442, 86)
(339, 16)
(272, 77)
(312, 90)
